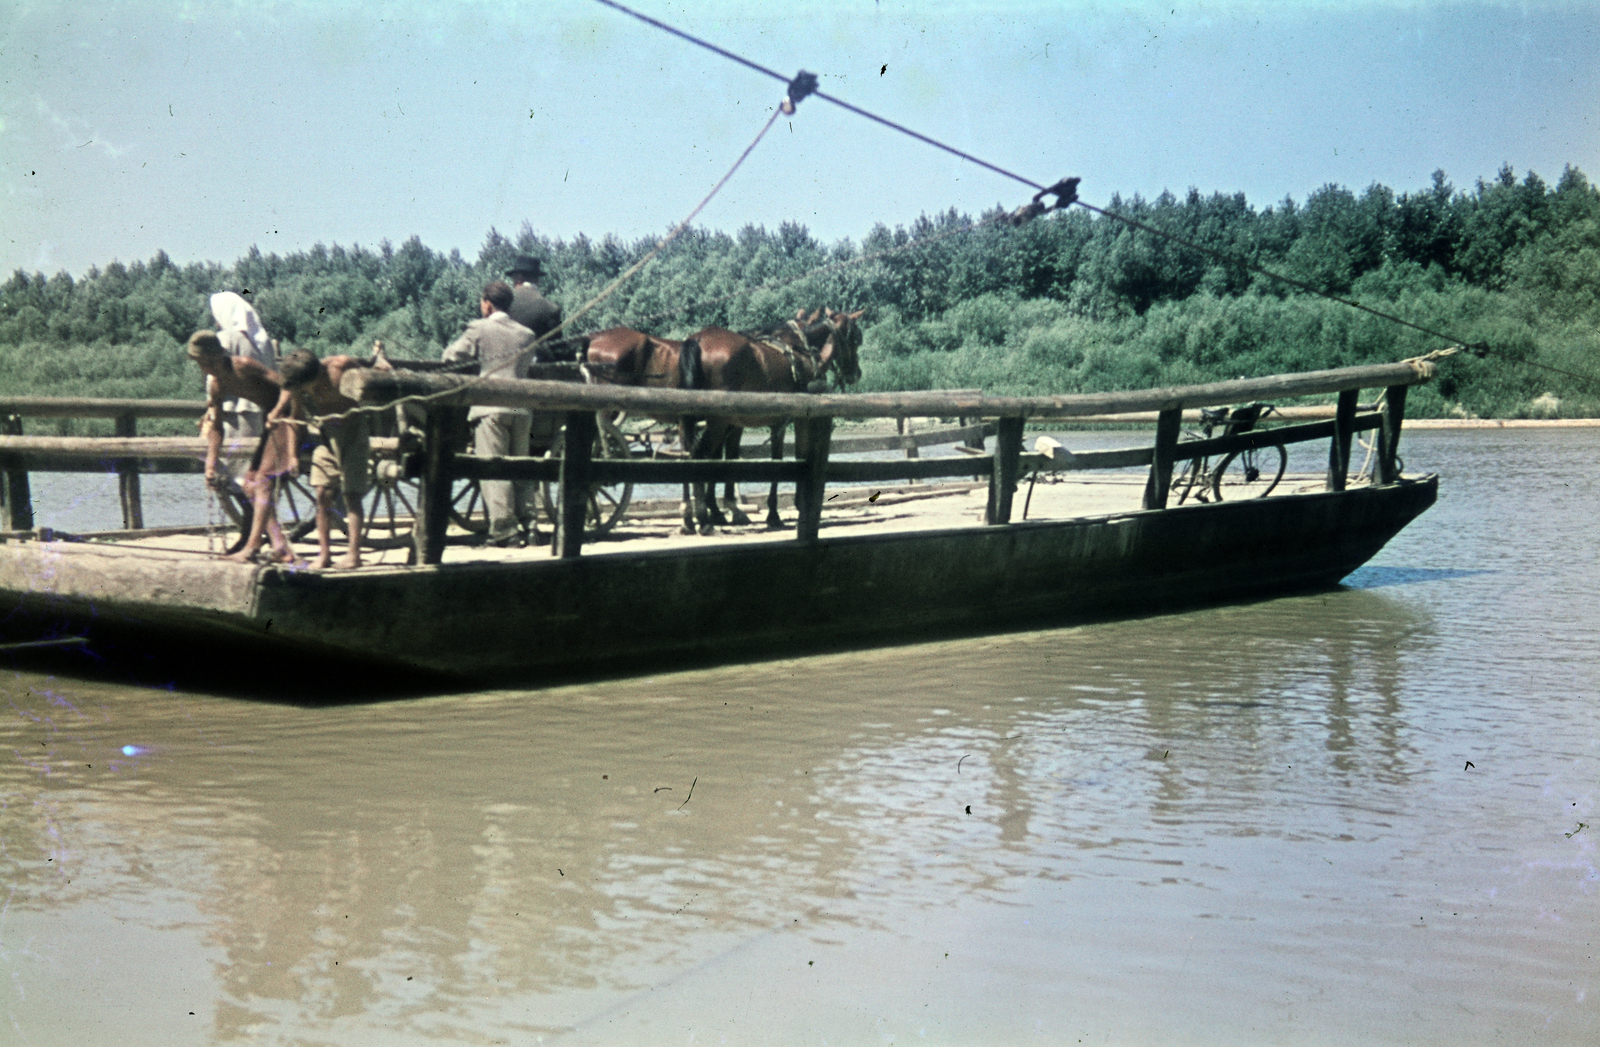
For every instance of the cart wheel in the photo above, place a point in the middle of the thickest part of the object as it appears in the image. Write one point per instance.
(389, 516)
(237, 510)
(607, 502)
(296, 508)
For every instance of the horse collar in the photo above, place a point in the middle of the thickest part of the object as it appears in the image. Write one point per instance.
(804, 350)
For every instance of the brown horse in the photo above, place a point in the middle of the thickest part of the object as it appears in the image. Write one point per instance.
(800, 357)
(623, 356)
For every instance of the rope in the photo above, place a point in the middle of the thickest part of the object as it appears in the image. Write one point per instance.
(1480, 349)
(681, 226)
(796, 92)
(664, 27)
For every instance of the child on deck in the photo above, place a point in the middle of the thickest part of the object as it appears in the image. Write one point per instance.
(242, 378)
(342, 459)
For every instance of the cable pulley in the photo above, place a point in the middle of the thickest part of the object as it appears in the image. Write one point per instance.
(803, 84)
(1065, 192)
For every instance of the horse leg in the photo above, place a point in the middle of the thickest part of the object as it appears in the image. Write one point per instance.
(730, 497)
(700, 508)
(709, 448)
(686, 439)
(774, 521)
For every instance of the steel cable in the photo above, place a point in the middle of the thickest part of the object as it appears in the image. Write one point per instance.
(1476, 348)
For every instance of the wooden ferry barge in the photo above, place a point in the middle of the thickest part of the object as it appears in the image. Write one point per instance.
(703, 599)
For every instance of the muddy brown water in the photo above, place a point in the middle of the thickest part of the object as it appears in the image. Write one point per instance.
(1366, 816)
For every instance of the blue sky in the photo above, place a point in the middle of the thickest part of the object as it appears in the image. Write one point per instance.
(206, 127)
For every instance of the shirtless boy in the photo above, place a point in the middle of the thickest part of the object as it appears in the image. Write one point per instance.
(241, 378)
(342, 460)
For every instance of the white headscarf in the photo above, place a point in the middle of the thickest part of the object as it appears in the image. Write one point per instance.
(233, 313)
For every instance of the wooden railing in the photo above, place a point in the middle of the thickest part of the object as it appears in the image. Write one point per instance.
(442, 397)
(437, 465)
(124, 453)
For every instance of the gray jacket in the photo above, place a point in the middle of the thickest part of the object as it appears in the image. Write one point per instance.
(500, 345)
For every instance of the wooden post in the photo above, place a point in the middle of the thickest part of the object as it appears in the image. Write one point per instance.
(128, 477)
(1007, 468)
(1394, 413)
(975, 440)
(433, 504)
(577, 450)
(1343, 430)
(1168, 425)
(16, 498)
(812, 438)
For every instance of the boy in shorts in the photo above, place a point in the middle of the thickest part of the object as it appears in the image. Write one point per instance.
(342, 459)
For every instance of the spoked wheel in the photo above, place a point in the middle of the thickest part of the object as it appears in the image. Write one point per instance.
(237, 510)
(468, 510)
(297, 508)
(607, 502)
(390, 509)
(645, 437)
(1184, 480)
(1249, 474)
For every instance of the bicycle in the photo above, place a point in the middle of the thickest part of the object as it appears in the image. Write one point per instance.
(1251, 473)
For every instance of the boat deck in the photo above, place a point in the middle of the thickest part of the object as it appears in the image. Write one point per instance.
(652, 526)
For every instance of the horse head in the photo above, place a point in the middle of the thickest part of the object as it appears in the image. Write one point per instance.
(842, 351)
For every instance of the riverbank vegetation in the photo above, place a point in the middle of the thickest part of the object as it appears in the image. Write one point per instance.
(1069, 302)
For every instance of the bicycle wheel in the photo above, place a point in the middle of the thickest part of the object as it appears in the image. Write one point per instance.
(1184, 480)
(1249, 474)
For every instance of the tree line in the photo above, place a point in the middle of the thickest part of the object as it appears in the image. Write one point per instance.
(1070, 302)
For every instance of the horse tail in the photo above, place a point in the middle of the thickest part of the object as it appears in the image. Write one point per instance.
(691, 367)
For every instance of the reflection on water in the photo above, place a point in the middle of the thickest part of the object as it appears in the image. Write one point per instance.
(1254, 823)
(1374, 576)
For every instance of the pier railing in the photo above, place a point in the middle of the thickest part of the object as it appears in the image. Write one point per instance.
(127, 453)
(437, 466)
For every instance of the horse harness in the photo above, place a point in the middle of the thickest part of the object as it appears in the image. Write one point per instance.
(802, 352)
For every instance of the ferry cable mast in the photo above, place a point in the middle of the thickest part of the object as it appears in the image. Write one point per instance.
(1066, 194)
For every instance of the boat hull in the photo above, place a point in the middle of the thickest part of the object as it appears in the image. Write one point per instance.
(721, 602)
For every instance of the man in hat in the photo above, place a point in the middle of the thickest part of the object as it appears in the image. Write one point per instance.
(501, 346)
(528, 307)
(244, 378)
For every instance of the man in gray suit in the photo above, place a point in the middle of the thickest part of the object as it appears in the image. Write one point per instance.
(502, 347)
(528, 307)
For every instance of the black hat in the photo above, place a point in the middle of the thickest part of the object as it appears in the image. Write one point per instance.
(524, 265)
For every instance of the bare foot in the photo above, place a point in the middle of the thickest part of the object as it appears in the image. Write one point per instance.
(349, 563)
(243, 556)
(322, 562)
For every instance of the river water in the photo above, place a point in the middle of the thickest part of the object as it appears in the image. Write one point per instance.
(1366, 816)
